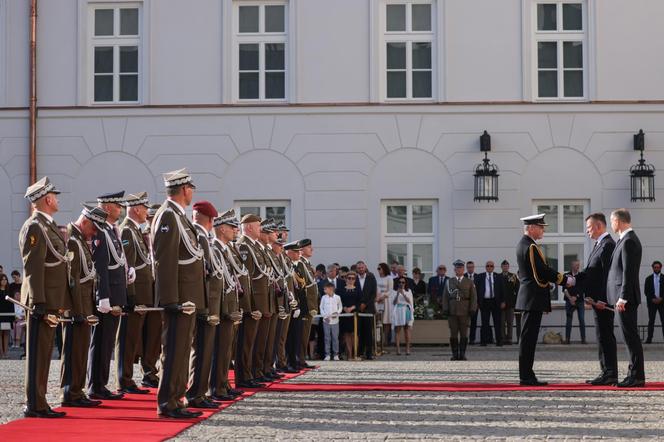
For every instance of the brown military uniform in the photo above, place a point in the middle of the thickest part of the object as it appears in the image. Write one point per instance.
(76, 336)
(202, 351)
(129, 342)
(277, 295)
(226, 330)
(245, 302)
(311, 292)
(459, 301)
(45, 282)
(287, 270)
(254, 333)
(179, 278)
(151, 335)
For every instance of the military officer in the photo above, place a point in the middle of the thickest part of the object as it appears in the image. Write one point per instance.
(233, 270)
(44, 290)
(207, 317)
(140, 293)
(510, 291)
(179, 279)
(113, 275)
(306, 270)
(287, 302)
(294, 338)
(151, 334)
(254, 332)
(459, 302)
(534, 296)
(76, 334)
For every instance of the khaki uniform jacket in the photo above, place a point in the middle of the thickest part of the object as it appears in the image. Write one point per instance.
(311, 288)
(46, 279)
(278, 286)
(459, 298)
(244, 296)
(230, 302)
(254, 259)
(137, 253)
(82, 274)
(179, 276)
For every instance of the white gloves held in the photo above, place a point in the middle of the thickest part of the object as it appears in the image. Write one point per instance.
(104, 305)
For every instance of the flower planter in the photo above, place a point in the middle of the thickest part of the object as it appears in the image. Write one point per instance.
(431, 331)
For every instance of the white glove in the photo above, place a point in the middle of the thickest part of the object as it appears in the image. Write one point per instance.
(296, 313)
(313, 313)
(256, 315)
(131, 276)
(104, 305)
(571, 281)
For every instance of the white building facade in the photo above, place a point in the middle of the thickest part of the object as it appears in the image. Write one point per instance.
(355, 121)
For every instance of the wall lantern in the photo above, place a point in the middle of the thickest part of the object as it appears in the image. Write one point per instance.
(642, 175)
(486, 174)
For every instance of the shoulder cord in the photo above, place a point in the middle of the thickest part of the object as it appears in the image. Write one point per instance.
(243, 271)
(120, 261)
(137, 245)
(195, 252)
(263, 271)
(60, 258)
(532, 264)
(219, 267)
(89, 271)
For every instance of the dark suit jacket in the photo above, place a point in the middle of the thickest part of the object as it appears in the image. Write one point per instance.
(498, 284)
(534, 277)
(435, 289)
(321, 286)
(593, 278)
(476, 278)
(649, 288)
(623, 279)
(368, 292)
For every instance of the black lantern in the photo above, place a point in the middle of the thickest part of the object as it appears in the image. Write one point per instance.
(642, 175)
(486, 174)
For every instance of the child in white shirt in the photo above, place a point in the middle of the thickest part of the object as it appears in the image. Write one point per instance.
(330, 308)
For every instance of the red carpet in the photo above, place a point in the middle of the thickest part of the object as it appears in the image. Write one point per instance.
(452, 387)
(131, 419)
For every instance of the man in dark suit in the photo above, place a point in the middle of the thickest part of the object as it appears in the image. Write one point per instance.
(490, 299)
(368, 289)
(534, 296)
(654, 289)
(437, 285)
(470, 274)
(593, 281)
(623, 291)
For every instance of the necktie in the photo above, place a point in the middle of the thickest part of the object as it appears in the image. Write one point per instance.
(655, 281)
(491, 286)
(440, 280)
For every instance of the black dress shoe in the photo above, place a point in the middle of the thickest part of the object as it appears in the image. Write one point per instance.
(532, 383)
(204, 404)
(250, 384)
(603, 380)
(81, 403)
(106, 395)
(179, 413)
(134, 390)
(291, 370)
(234, 392)
(264, 379)
(224, 398)
(277, 375)
(150, 383)
(48, 413)
(308, 366)
(629, 382)
(369, 358)
(191, 413)
(648, 341)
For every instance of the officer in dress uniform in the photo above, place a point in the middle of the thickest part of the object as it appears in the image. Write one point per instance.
(306, 271)
(459, 302)
(151, 334)
(113, 275)
(256, 323)
(295, 336)
(44, 290)
(76, 334)
(226, 226)
(140, 293)
(179, 280)
(534, 296)
(288, 301)
(207, 319)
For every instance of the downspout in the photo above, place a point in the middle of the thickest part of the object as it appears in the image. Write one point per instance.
(33, 91)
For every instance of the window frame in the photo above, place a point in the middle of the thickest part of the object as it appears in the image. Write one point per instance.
(116, 41)
(409, 238)
(560, 36)
(409, 37)
(261, 38)
(562, 238)
(262, 205)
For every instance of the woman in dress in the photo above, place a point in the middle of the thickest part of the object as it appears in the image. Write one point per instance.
(6, 315)
(420, 290)
(350, 299)
(383, 306)
(402, 314)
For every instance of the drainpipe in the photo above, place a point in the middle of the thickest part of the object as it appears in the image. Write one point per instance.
(33, 91)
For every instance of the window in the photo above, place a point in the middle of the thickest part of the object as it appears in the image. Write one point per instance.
(408, 36)
(560, 49)
(565, 239)
(261, 50)
(409, 234)
(277, 210)
(115, 38)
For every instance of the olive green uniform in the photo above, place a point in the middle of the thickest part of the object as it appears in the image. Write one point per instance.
(459, 302)
(130, 336)
(179, 278)
(45, 282)
(278, 290)
(76, 336)
(287, 270)
(311, 292)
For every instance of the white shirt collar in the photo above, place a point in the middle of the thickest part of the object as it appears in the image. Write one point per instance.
(604, 235)
(622, 235)
(178, 207)
(45, 215)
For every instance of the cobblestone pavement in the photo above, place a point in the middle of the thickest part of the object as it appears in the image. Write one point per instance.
(421, 415)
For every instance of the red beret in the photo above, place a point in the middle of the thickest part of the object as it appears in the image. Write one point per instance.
(206, 208)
